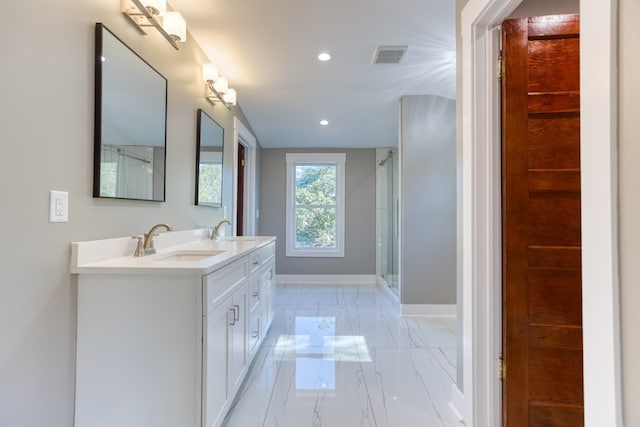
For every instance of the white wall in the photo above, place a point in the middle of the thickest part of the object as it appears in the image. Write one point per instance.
(629, 175)
(428, 200)
(46, 142)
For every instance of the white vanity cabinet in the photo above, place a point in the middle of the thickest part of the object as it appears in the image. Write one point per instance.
(224, 339)
(165, 343)
(268, 285)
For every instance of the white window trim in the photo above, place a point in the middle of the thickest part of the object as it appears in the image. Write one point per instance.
(339, 160)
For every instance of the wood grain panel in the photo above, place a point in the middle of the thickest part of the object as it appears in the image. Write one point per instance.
(555, 296)
(554, 102)
(562, 257)
(552, 374)
(542, 300)
(553, 180)
(554, 143)
(553, 65)
(567, 337)
(554, 219)
(555, 416)
(555, 26)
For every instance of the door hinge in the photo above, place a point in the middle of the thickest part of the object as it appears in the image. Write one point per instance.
(500, 67)
(242, 162)
(502, 368)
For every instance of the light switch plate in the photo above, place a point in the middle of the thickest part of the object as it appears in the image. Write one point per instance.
(58, 206)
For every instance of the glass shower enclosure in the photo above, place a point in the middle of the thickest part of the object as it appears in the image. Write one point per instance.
(388, 225)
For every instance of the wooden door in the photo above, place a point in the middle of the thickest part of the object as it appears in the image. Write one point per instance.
(542, 296)
(240, 195)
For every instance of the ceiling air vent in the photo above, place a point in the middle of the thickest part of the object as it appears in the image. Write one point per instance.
(389, 54)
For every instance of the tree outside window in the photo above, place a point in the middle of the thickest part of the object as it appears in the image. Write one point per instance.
(315, 220)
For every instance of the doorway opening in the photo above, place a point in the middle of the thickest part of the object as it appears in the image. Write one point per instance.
(480, 201)
(244, 180)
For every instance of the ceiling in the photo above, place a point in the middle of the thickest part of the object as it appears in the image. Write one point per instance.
(268, 51)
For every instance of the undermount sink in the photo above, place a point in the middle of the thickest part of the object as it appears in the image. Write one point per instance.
(189, 255)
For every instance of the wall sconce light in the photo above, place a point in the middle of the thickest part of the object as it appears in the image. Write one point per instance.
(175, 25)
(155, 7)
(217, 87)
(153, 13)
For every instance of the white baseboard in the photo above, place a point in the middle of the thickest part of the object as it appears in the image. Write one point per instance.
(326, 279)
(422, 310)
(457, 403)
(392, 296)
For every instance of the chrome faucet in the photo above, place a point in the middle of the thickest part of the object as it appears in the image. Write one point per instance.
(148, 246)
(215, 231)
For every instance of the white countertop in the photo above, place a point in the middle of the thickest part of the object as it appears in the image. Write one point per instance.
(114, 256)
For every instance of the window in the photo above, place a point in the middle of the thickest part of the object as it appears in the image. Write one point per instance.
(210, 178)
(315, 205)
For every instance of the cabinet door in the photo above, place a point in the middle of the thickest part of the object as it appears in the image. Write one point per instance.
(271, 293)
(238, 339)
(265, 303)
(215, 391)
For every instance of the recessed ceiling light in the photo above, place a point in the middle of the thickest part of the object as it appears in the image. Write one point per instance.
(324, 122)
(324, 56)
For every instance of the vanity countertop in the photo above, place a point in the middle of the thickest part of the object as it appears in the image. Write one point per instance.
(182, 252)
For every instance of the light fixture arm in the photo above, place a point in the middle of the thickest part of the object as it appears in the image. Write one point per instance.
(214, 96)
(142, 18)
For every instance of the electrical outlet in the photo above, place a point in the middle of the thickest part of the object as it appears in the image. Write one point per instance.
(58, 206)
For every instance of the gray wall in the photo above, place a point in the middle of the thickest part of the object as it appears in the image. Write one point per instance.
(360, 220)
(629, 157)
(428, 200)
(46, 142)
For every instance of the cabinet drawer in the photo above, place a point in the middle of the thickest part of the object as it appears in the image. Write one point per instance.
(254, 330)
(254, 261)
(267, 253)
(222, 283)
(254, 292)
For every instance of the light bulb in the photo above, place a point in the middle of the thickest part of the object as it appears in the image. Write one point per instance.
(221, 85)
(175, 25)
(210, 73)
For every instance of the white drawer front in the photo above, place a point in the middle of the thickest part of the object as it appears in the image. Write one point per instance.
(223, 282)
(254, 261)
(254, 292)
(267, 253)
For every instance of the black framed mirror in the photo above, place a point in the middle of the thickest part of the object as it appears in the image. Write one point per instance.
(209, 155)
(130, 123)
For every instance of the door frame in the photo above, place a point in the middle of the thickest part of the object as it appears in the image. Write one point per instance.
(481, 212)
(242, 135)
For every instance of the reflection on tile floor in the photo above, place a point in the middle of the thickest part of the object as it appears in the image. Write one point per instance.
(342, 357)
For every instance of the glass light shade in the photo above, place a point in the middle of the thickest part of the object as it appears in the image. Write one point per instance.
(221, 85)
(209, 73)
(175, 25)
(155, 7)
(230, 97)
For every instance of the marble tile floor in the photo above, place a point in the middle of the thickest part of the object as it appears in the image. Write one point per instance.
(343, 357)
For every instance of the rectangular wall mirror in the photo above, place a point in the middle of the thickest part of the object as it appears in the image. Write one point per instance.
(130, 123)
(210, 142)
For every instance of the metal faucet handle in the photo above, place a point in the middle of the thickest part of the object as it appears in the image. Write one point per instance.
(215, 231)
(148, 245)
(139, 246)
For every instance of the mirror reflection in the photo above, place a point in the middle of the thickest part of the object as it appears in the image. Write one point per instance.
(130, 123)
(210, 141)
